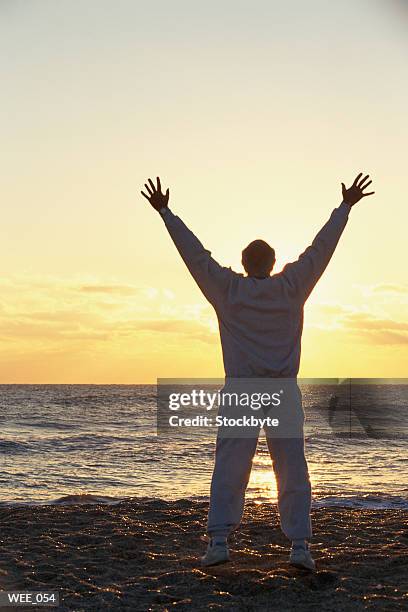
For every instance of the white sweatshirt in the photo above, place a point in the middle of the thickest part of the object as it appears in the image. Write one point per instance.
(260, 320)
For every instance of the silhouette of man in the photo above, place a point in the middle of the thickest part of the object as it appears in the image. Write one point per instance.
(260, 320)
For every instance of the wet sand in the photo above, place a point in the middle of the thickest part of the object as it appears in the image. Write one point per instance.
(142, 554)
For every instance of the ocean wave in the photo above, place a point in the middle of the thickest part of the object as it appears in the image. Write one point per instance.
(367, 501)
(10, 447)
(362, 502)
(84, 498)
(41, 424)
(68, 500)
(64, 443)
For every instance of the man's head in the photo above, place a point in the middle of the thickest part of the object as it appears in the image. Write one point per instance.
(258, 259)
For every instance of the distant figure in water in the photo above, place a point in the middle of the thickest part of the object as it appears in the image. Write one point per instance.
(260, 319)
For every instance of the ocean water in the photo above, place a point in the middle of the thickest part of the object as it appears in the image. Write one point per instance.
(70, 443)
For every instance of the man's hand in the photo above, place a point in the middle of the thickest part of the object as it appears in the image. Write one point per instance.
(156, 198)
(354, 193)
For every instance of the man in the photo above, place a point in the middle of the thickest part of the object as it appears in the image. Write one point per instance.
(260, 320)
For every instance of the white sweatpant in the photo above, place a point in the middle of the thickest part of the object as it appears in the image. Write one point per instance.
(233, 462)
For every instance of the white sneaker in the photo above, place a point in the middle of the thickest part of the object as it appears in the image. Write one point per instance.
(301, 558)
(216, 554)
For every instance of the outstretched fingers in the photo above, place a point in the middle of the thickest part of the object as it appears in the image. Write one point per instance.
(146, 196)
(363, 181)
(357, 179)
(363, 184)
(149, 189)
(365, 187)
(153, 186)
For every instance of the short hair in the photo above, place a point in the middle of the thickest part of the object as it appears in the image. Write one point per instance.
(258, 255)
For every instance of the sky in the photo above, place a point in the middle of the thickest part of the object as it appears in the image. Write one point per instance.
(252, 113)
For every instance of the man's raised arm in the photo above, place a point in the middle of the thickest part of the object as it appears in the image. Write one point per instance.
(304, 273)
(209, 275)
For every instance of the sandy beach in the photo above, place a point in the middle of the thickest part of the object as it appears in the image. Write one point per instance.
(142, 554)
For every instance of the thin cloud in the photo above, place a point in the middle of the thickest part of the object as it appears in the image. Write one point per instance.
(376, 330)
(332, 309)
(191, 329)
(58, 311)
(383, 337)
(368, 322)
(110, 289)
(390, 288)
